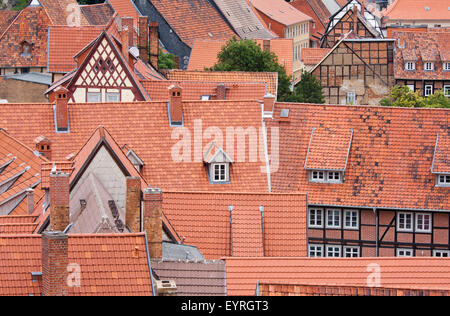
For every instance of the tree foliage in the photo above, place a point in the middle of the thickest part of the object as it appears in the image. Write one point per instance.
(308, 90)
(402, 96)
(166, 60)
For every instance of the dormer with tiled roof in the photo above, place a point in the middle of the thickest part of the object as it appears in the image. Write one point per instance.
(218, 164)
(441, 160)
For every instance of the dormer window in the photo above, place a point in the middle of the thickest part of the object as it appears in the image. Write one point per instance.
(218, 165)
(443, 180)
(446, 66)
(26, 49)
(323, 176)
(440, 166)
(429, 66)
(410, 66)
(135, 159)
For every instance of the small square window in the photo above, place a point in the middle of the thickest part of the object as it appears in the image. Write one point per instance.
(428, 90)
(429, 66)
(333, 251)
(411, 87)
(94, 97)
(333, 218)
(351, 252)
(351, 219)
(441, 253)
(112, 97)
(220, 172)
(315, 251)
(410, 66)
(315, 218)
(317, 175)
(404, 222)
(334, 176)
(447, 91)
(423, 222)
(205, 97)
(402, 252)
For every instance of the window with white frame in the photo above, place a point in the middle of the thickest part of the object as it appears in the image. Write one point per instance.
(428, 90)
(351, 219)
(317, 176)
(351, 98)
(94, 97)
(325, 176)
(410, 66)
(315, 250)
(219, 172)
(351, 252)
(446, 66)
(333, 251)
(112, 96)
(402, 252)
(429, 66)
(423, 222)
(333, 176)
(404, 222)
(441, 253)
(205, 97)
(411, 87)
(443, 180)
(315, 217)
(447, 91)
(333, 218)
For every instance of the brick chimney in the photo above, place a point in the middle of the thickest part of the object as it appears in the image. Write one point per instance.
(128, 22)
(54, 263)
(266, 45)
(133, 204)
(30, 200)
(125, 38)
(152, 205)
(221, 92)
(62, 109)
(143, 38)
(44, 146)
(59, 201)
(269, 103)
(176, 105)
(153, 44)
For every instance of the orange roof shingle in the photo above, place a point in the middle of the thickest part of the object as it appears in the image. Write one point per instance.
(280, 11)
(313, 56)
(418, 10)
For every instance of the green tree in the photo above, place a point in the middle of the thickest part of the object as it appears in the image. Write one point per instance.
(246, 55)
(402, 96)
(308, 90)
(437, 100)
(166, 60)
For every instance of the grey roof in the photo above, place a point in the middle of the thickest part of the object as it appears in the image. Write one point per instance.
(34, 77)
(243, 20)
(331, 5)
(173, 251)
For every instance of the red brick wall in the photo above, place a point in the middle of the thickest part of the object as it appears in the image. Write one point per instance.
(54, 264)
(59, 201)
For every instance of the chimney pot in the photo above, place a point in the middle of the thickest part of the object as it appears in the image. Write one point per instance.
(54, 263)
(176, 105)
(44, 146)
(133, 204)
(62, 109)
(221, 91)
(152, 205)
(59, 201)
(269, 103)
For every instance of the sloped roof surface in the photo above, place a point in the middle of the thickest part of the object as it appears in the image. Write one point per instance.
(318, 12)
(280, 11)
(441, 159)
(418, 10)
(98, 14)
(312, 56)
(6, 17)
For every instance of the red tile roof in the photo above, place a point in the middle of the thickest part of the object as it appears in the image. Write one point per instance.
(65, 42)
(204, 53)
(64, 12)
(194, 90)
(269, 78)
(313, 56)
(421, 47)
(386, 162)
(6, 17)
(194, 19)
(126, 8)
(441, 158)
(20, 228)
(417, 10)
(203, 219)
(411, 273)
(98, 14)
(280, 11)
(319, 13)
(113, 264)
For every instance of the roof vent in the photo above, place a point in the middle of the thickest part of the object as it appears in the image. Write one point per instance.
(210, 35)
(427, 8)
(284, 113)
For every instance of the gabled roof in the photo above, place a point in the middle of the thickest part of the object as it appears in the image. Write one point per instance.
(19, 170)
(386, 162)
(243, 20)
(319, 13)
(411, 273)
(203, 219)
(269, 78)
(280, 11)
(194, 19)
(111, 264)
(98, 14)
(126, 8)
(433, 10)
(422, 47)
(64, 12)
(6, 17)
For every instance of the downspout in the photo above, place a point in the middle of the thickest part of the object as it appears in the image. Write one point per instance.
(261, 210)
(149, 264)
(377, 250)
(230, 209)
(266, 150)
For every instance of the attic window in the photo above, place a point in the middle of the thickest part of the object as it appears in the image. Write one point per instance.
(447, 66)
(410, 66)
(429, 66)
(284, 113)
(219, 172)
(443, 180)
(26, 49)
(218, 163)
(325, 176)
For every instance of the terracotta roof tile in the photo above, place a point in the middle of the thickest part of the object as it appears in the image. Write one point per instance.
(98, 14)
(61, 12)
(204, 220)
(270, 78)
(111, 257)
(422, 273)
(319, 13)
(382, 169)
(126, 8)
(6, 17)
(441, 158)
(280, 11)
(417, 10)
(194, 19)
(313, 56)
(17, 219)
(20, 228)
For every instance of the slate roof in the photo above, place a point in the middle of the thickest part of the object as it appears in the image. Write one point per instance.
(203, 219)
(111, 264)
(194, 19)
(269, 78)
(423, 273)
(98, 14)
(417, 10)
(243, 20)
(280, 11)
(388, 165)
(422, 47)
